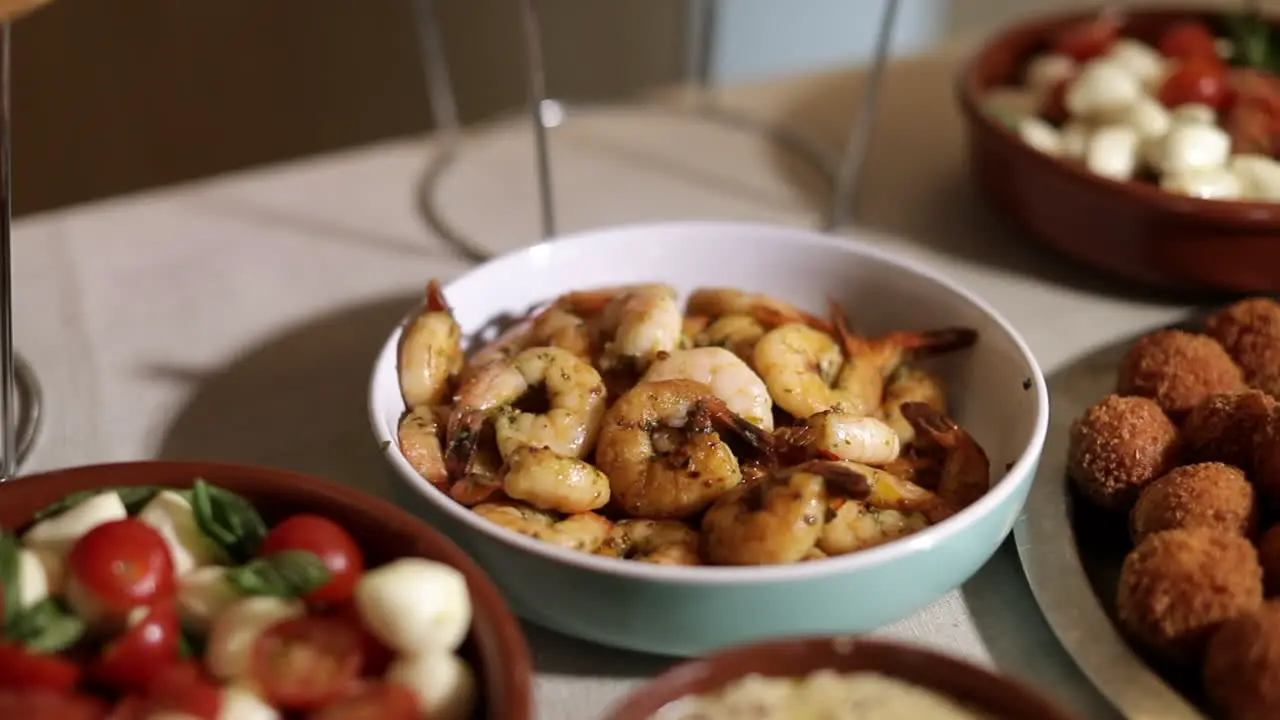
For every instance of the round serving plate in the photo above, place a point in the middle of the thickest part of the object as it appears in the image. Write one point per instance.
(1073, 577)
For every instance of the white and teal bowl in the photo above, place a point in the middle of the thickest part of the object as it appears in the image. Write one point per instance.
(996, 390)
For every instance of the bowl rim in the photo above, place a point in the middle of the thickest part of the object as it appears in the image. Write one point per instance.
(969, 93)
(513, 654)
(688, 671)
(1005, 486)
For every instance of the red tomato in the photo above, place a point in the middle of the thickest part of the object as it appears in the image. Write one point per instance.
(26, 670)
(1088, 39)
(131, 707)
(307, 662)
(31, 704)
(376, 656)
(182, 688)
(122, 564)
(1196, 81)
(335, 547)
(1188, 40)
(376, 701)
(1055, 103)
(133, 660)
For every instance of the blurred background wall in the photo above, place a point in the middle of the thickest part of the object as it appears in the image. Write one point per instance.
(113, 96)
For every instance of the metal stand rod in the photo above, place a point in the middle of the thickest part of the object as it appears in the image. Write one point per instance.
(8, 382)
(532, 28)
(857, 149)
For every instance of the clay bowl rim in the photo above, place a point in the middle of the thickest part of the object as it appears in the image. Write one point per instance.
(970, 91)
(809, 654)
(513, 657)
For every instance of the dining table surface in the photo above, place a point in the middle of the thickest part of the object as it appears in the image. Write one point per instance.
(236, 318)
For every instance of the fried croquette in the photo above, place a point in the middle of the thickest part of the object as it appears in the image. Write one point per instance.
(1117, 447)
(1178, 369)
(1225, 428)
(1250, 332)
(1178, 586)
(1205, 495)
(1242, 666)
(1269, 558)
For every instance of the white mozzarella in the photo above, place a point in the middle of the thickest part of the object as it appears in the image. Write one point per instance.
(1045, 71)
(415, 605)
(59, 533)
(1191, 146)
(171, 516)
(1148, 118)
(1103, 89)
(1073, 140)
(40, 576)
(1216, 183)
(1040, 135)
(239, 703)
(443, 683)
(1113, 152)
(1195, 113)
(203, 594)
(1141, 60)
(234, 632)
(85, 606)
(1259, 176)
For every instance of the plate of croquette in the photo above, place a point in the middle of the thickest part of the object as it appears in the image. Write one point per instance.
(1151, 537)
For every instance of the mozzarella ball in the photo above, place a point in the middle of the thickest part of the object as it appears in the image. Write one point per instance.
(415, 605)
(1073, 140)
(443, 683)
(1148, 117)
(1195, 113)
(203, 594)
(234, 632)
(239, 703)
(1192, 145)
(1040, 135)
(1103, 89)
(58, 533)
(1259, 176)
(171, 516)
(1113, 152)
(1140, 60)
(40, 576)
(1045, 71)
(1209, 182)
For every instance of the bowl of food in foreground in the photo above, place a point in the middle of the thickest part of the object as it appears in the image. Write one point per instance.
(1141, 142)
(684, 443)
(839, 677)
(221, 591)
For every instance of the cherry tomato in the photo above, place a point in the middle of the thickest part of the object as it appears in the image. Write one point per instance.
(130, 707)
(22, 669)
(307, 662)
(375, 701)
(1055, 103)
(375, 656)
(1188, 41)
(28, 704)
(182, 688)
(335, 547)
(1196, 81)
(122, 564)
(133, 660)
(1088, 39)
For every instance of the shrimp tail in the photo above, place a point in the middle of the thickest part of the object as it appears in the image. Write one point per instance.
(932, 424)
(436, 301)
(931, 342)
(462, 434)
(475, 489)
(966, 471)
(715, 414)
(841, 477)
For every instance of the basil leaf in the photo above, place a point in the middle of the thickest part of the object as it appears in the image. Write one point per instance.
(1251, 41)
(9, 599)
(134, 498)
(47, 628)
(291, 573)
(230, 520)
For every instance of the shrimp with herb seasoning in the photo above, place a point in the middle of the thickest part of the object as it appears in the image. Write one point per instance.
(660, 542)
(583, 531)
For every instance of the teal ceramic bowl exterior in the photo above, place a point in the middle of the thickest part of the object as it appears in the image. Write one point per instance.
(997, 392)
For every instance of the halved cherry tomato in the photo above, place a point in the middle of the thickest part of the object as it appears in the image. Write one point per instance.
(133, 660)
(1188, 40)
(1196, 81)
(29, 704)
(326, 539)
(375, 701)
(375, 656)
(130, 707)
(181, 688)
(122, 564)
(25, 670)
(307, 662)
(1088, 39)
(1055, 103)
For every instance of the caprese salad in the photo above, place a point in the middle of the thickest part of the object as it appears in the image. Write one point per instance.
(146, 603)
(1195, 111)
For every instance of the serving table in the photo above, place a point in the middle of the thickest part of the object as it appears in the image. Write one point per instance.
(237, 318)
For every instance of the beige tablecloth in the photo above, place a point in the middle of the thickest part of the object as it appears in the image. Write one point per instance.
(237, 318)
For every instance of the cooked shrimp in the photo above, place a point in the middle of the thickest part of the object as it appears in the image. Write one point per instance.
(843, 436)
(802, 369)
(662, 448)
(855, 525)
(736, 333)
(908, 384)
(966, 471)
(881, 489)
(430, 352)
(661, 542)
(550, 481)
(771, 522)
(574, 399)
(769, 312)
(732, 380)
(552, 326)
(635, 322)
(419, 439)
(583, 531)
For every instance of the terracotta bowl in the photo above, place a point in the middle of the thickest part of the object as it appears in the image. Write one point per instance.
(984, 692)
(1131, 230)
(496, 647)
